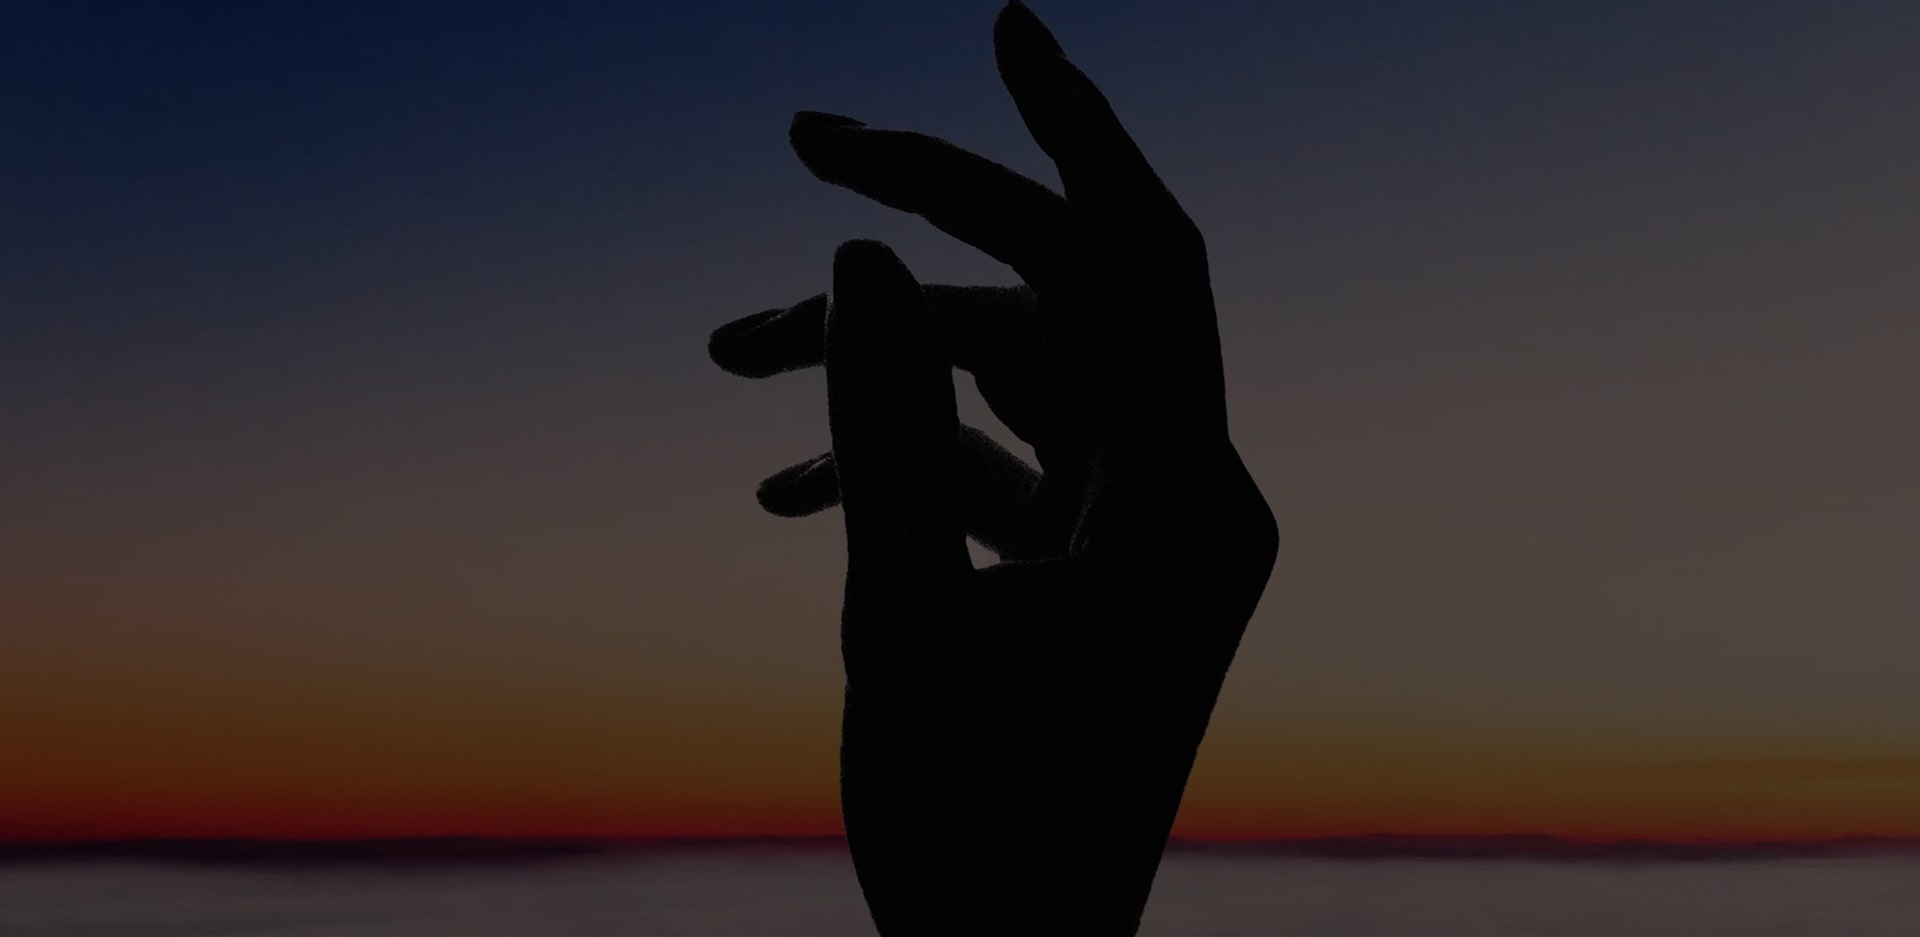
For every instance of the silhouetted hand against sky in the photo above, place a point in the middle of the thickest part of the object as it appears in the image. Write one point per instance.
(1017, 738)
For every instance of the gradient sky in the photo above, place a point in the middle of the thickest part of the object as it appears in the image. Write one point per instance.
(362, 471)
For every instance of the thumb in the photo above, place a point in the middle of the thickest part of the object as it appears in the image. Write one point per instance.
(896, 432)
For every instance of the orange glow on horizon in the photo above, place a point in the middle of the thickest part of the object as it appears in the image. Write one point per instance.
(162, 751)
(48, 817)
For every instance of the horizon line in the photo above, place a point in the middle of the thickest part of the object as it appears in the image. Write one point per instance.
(470, 849)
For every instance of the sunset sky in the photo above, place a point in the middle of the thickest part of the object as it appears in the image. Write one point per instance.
(362, 471)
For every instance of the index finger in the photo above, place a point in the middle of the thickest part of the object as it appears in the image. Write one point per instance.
(1011, 218)
(1101, 168)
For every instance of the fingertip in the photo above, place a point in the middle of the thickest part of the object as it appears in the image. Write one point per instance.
(786, 504)
(873, 277)
(866, 255)
(800, 490)
(813, 135)
(729, 348)
(771, 342)
(1017, 28)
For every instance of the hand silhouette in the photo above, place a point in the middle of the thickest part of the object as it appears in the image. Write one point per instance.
(1016, 739)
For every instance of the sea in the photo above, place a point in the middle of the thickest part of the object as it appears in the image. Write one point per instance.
(813, 893)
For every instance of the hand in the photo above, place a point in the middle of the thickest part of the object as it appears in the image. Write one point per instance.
(1016, 739)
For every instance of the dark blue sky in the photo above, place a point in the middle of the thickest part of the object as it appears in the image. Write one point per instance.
(148, 139)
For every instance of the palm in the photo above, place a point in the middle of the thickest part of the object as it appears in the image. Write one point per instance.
(1017, 738)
